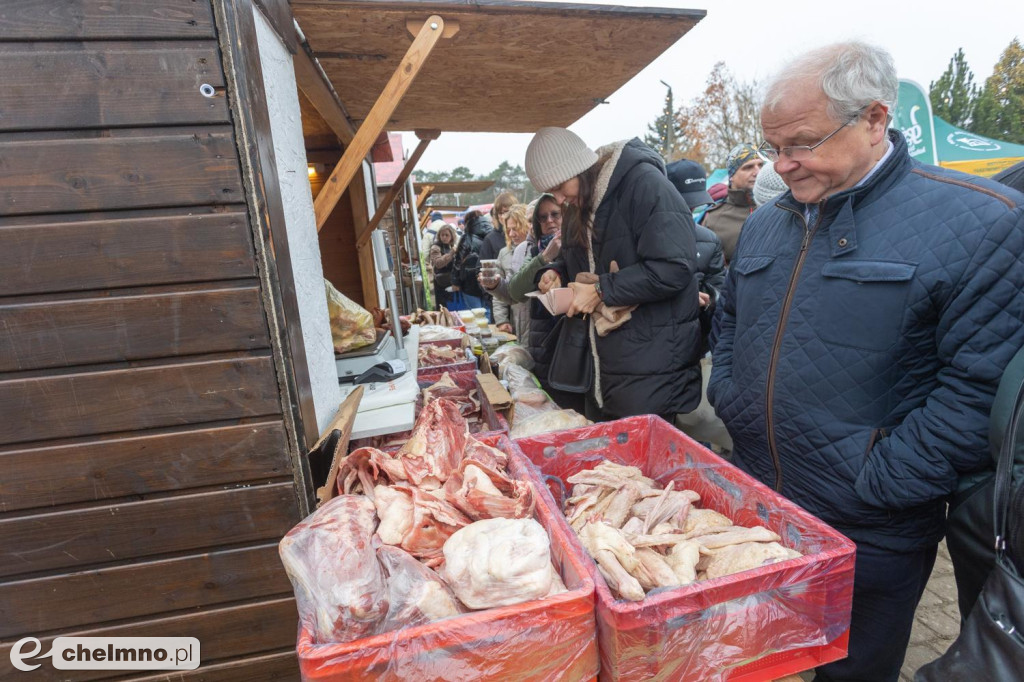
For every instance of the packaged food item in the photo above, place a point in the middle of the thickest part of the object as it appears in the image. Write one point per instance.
(351, 324)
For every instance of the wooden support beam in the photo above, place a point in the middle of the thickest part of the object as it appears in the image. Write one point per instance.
(398, 185)
(314, 86)
(361, 216)
(377, 119)
(422, 198)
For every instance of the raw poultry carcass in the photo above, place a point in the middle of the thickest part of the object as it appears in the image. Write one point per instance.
(434, 450)
(744, 556)
(417, 521)
(360, 470)
(484, 492)
(416, 594)
(496, 562)
(615, 557)
(339, 585)
(484, 453)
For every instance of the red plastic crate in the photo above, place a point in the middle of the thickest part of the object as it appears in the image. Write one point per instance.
(544, 639)
(755, 625)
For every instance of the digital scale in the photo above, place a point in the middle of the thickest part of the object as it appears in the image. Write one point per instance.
(386, 368)
(390, 347)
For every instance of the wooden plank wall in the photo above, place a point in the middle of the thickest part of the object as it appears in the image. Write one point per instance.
(144, 469)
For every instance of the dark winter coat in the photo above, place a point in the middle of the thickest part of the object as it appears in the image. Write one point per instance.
(467, 256)
(494, 242)
(710, 277)
(650, 365)
(726, 218)
(857, 357)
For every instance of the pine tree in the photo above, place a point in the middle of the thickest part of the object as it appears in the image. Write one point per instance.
(1000, 109)
(954, 95)
(665, 135)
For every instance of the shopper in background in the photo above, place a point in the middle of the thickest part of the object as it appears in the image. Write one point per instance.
(467, 261)
(726, 217)
(540, 249)
(442, 253)
(690, 180)
(509, 316)
(496, 241)
(866, 320)
(629, 244)
(768, 185)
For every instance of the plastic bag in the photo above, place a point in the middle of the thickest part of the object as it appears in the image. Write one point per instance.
(340, 590)
(416, 594)
(351, 324)
(513, 354)
(550, 420)
(435, 332)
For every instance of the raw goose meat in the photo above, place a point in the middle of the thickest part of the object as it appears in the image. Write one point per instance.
(483, 492)
(615, 557)
(416, 594)
(496, 562)
(746, 555)
(417, 521)
(339, 585)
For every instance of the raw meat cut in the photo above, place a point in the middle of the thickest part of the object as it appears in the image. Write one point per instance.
(434, 520)
(746, 555)
(496, 562)
(339, 585)
(435, 447)
(483, 492)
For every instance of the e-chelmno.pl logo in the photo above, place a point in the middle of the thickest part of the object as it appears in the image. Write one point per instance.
(109, 653)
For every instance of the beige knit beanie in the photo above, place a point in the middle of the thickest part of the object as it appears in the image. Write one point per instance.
(768, 185)
(554, 156)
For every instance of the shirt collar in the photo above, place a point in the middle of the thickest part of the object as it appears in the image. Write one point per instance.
(874, 169)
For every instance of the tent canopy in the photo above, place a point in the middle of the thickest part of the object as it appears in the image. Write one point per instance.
(511, 67)
(970, 153)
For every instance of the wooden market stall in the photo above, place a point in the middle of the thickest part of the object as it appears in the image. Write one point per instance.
(157, 379)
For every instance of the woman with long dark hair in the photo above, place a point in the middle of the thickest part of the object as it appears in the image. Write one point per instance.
(628, 245)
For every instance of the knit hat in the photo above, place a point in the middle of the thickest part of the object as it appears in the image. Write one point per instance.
(554, 156)
(739, 155)
(768, 185)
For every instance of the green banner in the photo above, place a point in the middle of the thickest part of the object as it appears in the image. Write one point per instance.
(913, 117)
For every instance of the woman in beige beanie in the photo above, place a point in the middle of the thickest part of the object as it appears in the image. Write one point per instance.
(628, 246)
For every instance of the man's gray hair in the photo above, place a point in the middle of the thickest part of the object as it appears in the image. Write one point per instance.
(852, 75)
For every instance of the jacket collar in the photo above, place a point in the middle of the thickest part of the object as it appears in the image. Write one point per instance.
(740, 197)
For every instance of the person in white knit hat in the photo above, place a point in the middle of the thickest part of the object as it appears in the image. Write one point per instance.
(768, 185)
(628, 253)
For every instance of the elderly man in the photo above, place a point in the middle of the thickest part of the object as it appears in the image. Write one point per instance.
(866, 319)
(727, 217)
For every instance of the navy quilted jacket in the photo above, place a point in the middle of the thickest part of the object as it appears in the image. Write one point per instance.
(857, 357)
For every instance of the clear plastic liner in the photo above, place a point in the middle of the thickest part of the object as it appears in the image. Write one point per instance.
(754, 625)
(552, 638)
(512, 354)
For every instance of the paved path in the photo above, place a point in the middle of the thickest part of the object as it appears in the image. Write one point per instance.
(937, 622)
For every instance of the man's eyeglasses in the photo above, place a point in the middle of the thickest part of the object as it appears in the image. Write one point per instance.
(554, 215)
(799, 152)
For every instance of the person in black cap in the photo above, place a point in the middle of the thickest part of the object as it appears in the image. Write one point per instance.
(690, 179)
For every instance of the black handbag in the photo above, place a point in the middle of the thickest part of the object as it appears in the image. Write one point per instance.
(991, 643)
(572, 365)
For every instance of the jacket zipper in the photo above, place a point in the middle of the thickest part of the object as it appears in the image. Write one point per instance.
(774, 358)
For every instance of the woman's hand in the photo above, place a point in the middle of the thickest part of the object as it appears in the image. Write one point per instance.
(703, 298)
(584, 299)
(548, 281)
(489, 283)
(552, 250)
(505, 327)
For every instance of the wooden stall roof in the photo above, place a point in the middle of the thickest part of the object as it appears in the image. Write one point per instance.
(455, 187)
(568, 57)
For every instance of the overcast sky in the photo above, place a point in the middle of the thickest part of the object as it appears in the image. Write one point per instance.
(754, 38)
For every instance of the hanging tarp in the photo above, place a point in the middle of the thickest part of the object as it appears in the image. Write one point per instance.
(913, 116)
(933, 140)
(970, 153)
